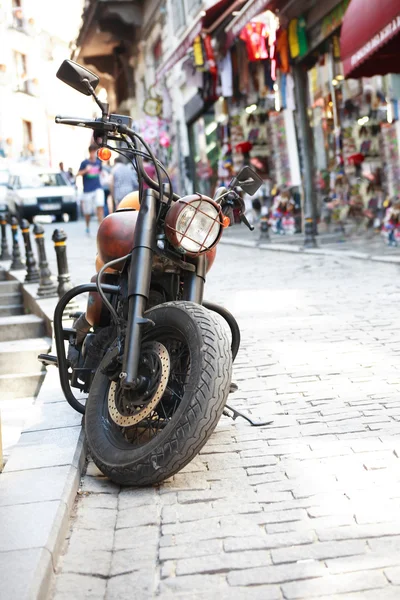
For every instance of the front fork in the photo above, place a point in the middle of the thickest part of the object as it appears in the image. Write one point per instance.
(139, 287)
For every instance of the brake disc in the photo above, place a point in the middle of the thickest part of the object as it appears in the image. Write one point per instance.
(144, 411)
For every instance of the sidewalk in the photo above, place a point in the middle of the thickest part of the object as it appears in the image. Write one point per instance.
(328, 244)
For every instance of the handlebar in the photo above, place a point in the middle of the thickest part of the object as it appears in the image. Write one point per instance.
(112, 127)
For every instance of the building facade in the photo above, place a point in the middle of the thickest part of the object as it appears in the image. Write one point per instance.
(33, 43)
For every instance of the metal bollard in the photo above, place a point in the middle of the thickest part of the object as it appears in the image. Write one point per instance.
(47, 288)
(32, 272)
(17, 264)
(4, 254)
(59, 238)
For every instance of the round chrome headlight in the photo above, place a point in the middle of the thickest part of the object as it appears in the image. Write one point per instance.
(194, 224)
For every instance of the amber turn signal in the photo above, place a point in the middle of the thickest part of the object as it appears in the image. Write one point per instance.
(104, 154)
(226, 222)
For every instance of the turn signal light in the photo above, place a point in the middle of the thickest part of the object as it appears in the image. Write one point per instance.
(226, 222)
(104, 154)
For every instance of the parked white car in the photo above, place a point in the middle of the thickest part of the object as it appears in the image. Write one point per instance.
(40, 192)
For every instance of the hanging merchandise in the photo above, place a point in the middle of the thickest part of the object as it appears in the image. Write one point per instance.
(254, 34)
(298, 43)
(226, 76)
(198, 54)
(282, 50)
(293, 39)
(302, 36)
(211, 74)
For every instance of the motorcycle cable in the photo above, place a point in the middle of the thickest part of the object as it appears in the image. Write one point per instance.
(103, 296)
(143, 155)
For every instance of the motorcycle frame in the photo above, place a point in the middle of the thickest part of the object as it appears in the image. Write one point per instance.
(139, 281)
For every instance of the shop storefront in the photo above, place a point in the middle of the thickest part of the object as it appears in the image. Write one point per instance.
(355, 143)
(243, 113)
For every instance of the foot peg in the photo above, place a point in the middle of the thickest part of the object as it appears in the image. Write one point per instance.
(48, 359)
(233, 414)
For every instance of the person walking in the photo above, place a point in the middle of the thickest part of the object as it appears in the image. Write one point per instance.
(124, 180)
(93, 194)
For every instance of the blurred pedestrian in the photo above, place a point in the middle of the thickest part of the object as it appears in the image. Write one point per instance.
(93, 194)
(70, 176)
(124, 180)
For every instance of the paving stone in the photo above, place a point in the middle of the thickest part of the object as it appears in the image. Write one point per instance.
(269, 541)
(36, 485)
(27, 526)
(318, 551)
(124, 587)
(99, 485)
(358, 531)
(371, 560)
(393, 574)
(88, 517)
(51, 448)
(222, 562)
(88, 540)
(188, 585)
(201, 548)
(16, 569)
(338, 584)
(276, 574)
(132, 498)
(79, 587)
(143, 538)
(142, 515)
(88, 562)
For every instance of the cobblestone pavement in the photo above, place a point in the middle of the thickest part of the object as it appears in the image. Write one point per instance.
(306, 508)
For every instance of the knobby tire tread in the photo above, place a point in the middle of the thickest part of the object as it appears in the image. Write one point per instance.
(202, 413)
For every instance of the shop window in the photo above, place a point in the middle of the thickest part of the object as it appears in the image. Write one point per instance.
(27, 138)
(18, 20)
(157, 53)
(20, 72)
(179, 16)
(193, 6)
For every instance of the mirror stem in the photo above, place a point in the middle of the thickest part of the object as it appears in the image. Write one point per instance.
(102, 105)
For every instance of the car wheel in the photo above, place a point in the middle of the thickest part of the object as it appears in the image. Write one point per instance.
(73, 214)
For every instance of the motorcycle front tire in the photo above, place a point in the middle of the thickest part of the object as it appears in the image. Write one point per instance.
(200, 408)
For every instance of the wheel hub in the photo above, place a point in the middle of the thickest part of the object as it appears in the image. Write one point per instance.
(138, 409)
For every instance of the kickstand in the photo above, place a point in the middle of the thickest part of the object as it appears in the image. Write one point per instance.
(236, 413)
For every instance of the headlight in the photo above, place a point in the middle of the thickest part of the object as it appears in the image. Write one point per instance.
(194, 224)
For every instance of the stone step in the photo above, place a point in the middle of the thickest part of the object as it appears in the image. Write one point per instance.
(21, 327)
(18, 354)
(11, 309)
(8, 287)
(21, 385)
(12, 298)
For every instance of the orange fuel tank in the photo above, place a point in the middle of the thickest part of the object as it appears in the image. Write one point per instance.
(115, 235)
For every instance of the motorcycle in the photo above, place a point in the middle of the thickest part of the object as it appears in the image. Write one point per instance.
(153, 357)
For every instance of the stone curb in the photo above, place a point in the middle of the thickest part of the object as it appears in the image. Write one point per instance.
(318, 251)
(39, 483)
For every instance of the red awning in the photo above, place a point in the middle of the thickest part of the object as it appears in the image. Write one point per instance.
(370, 38)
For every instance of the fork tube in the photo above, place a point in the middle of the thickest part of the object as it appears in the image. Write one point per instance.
(194, 283)
(139, 286)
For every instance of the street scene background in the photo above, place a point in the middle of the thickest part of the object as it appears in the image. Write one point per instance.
(307, 94)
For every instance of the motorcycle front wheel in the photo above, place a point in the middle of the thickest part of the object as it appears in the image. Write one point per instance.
(195, 343)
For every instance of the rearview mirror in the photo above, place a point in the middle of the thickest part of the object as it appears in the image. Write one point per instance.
(77, 77)
(248, 180)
